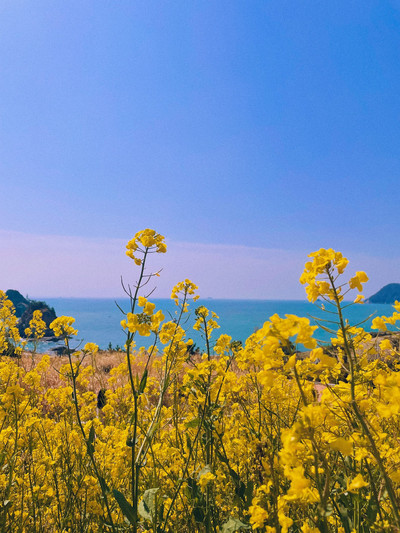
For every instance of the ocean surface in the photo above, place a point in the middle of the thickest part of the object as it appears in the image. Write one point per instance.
(98, 320)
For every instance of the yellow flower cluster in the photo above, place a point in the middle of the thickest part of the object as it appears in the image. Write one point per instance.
(330, 264)
(184, 290)
(37, 326)
(380, 322)
(145, 241)
(203, 323)
(146, 322)
(323, 262)
(9, 334)
(90, 347)
(62, 326)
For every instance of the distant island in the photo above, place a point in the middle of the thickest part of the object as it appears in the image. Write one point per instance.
(387, 295)
(24, 309)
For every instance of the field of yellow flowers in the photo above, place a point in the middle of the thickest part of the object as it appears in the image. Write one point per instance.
(234, 438)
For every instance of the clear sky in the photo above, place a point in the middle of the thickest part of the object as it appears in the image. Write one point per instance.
(250, 133)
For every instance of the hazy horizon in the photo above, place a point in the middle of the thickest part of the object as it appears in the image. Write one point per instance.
(69, 267)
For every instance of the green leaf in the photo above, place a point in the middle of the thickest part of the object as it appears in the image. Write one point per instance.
(125, 506)
(234, 474)
(372, 511)
(198, 514)
(103, 485)
(147, 505)
(90, 441)
(233, 524)
(240, 489)
(91, 434)
(192, 423)
(249, 492)
(224, 459)
(144, 510)
(161, 511)
(193, 488)
(143, 382)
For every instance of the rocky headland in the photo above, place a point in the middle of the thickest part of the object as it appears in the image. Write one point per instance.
(24, 309)
(387, 295)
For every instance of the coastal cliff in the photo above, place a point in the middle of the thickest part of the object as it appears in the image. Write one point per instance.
(387, 295)
(24, 309)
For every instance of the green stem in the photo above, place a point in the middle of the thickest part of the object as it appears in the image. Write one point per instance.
(88, 446)
(350, 354)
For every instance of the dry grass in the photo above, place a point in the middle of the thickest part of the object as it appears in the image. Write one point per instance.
(103, 362)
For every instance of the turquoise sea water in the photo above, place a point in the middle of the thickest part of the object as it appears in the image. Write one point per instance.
(98, 320)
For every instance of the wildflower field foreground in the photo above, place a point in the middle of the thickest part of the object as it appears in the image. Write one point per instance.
(232, 438)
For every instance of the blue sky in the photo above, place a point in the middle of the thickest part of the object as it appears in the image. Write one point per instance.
(269, 128)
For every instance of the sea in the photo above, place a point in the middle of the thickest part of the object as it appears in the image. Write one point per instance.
(98, 320)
